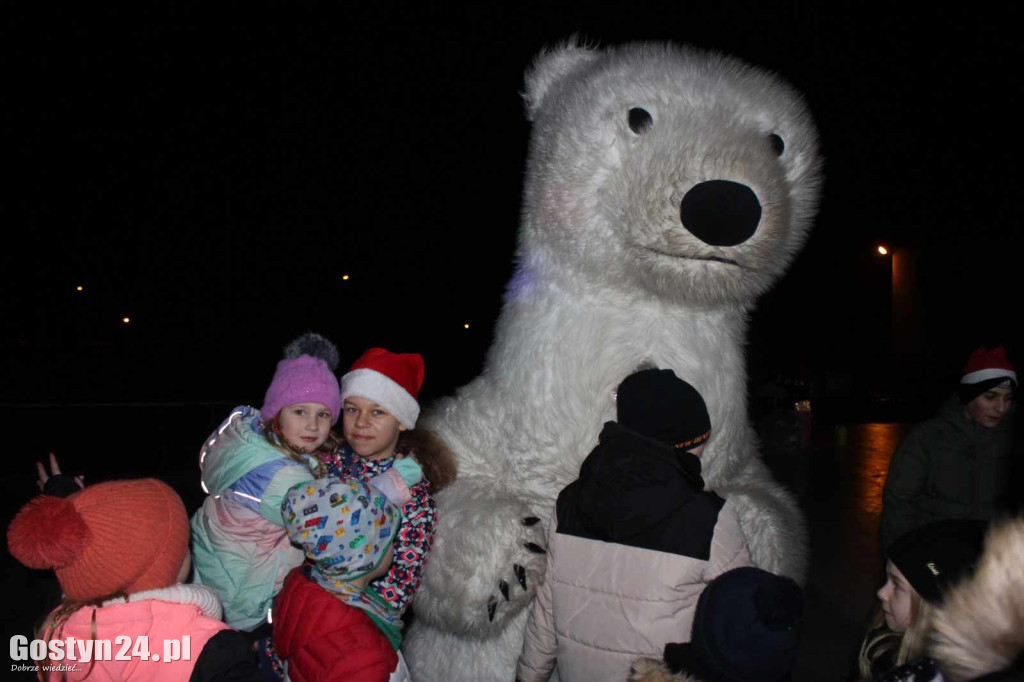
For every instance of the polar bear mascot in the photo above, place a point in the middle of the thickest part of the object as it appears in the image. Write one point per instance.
(666, 188)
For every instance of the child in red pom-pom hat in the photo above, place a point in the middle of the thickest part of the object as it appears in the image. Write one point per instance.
(120, 552)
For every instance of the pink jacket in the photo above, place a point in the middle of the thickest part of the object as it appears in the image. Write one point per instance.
(165, 614)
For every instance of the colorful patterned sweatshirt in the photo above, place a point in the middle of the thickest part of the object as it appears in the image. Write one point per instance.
(415, 535)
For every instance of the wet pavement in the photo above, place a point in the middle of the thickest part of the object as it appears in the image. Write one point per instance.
(840, 489)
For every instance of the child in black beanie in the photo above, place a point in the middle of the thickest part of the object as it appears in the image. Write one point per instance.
(634, 540)
(747, 629)
(923, 565)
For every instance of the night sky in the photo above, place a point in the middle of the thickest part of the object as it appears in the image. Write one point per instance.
(212, 175)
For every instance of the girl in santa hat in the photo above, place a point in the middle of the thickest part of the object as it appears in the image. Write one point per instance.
(379, 411)
(239, 543)
(958, 463)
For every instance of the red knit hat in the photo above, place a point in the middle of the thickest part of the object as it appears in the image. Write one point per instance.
(391, 380)
(121, 536)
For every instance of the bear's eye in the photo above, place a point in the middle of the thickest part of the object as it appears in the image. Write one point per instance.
(778, 146)
(639, 120)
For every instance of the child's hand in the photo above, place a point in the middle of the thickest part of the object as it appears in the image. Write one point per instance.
(411, 455)
(409, 468)
(55, 483)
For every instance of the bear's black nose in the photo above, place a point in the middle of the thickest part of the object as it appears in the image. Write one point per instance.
(721, 212)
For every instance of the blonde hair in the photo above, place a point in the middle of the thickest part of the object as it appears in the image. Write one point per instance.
(54, 623)
(884, 646)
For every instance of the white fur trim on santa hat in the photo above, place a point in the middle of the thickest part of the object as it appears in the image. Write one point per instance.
(988, 373)
(372, 385)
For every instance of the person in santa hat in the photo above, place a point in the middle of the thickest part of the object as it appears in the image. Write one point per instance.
(379, 412)
(956, 464)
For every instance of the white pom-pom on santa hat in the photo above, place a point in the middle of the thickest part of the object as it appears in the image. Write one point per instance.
(392, 380)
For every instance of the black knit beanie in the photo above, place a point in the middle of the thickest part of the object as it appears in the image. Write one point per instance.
(934, 557)
(746, 629)
(660, 405)
(968, 392)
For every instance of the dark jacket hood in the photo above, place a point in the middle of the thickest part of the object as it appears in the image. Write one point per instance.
(637, 491)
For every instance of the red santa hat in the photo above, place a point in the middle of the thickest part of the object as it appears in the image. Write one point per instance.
(392, 380)
(985, 364)
(985, 369)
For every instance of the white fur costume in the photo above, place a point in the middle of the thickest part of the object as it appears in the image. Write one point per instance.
(608, 279)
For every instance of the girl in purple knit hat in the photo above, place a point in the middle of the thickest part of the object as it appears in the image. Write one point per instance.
(239, 544)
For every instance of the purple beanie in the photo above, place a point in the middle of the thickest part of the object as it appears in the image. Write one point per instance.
(303, 377)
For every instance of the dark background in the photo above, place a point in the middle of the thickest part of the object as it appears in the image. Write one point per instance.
(212, 174)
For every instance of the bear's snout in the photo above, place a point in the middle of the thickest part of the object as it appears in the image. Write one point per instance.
(721, 212)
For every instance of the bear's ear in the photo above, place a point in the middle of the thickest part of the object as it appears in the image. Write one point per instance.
(551, 65)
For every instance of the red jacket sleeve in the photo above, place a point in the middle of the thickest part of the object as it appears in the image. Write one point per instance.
(323, 639)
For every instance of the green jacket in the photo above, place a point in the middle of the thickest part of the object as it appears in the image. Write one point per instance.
(946, 467)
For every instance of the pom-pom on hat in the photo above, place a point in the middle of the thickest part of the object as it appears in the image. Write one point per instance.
(660, 405)
(985, 369)
(936, 556)
(305, 375)
(110, 538)
(392, 380)
(746, 629)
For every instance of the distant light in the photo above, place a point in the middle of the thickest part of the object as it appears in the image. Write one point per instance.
(466, 326)
(79, 287)
(882, 250)
(345, 277)
(126, 320)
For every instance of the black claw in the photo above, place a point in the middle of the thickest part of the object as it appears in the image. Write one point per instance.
(503, 586)
(492, 606)
(535, 548)
(530, 520)
(520, 574)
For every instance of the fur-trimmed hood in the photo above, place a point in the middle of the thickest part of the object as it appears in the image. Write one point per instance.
(980, 627)
(653, 670)
(434, 457)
